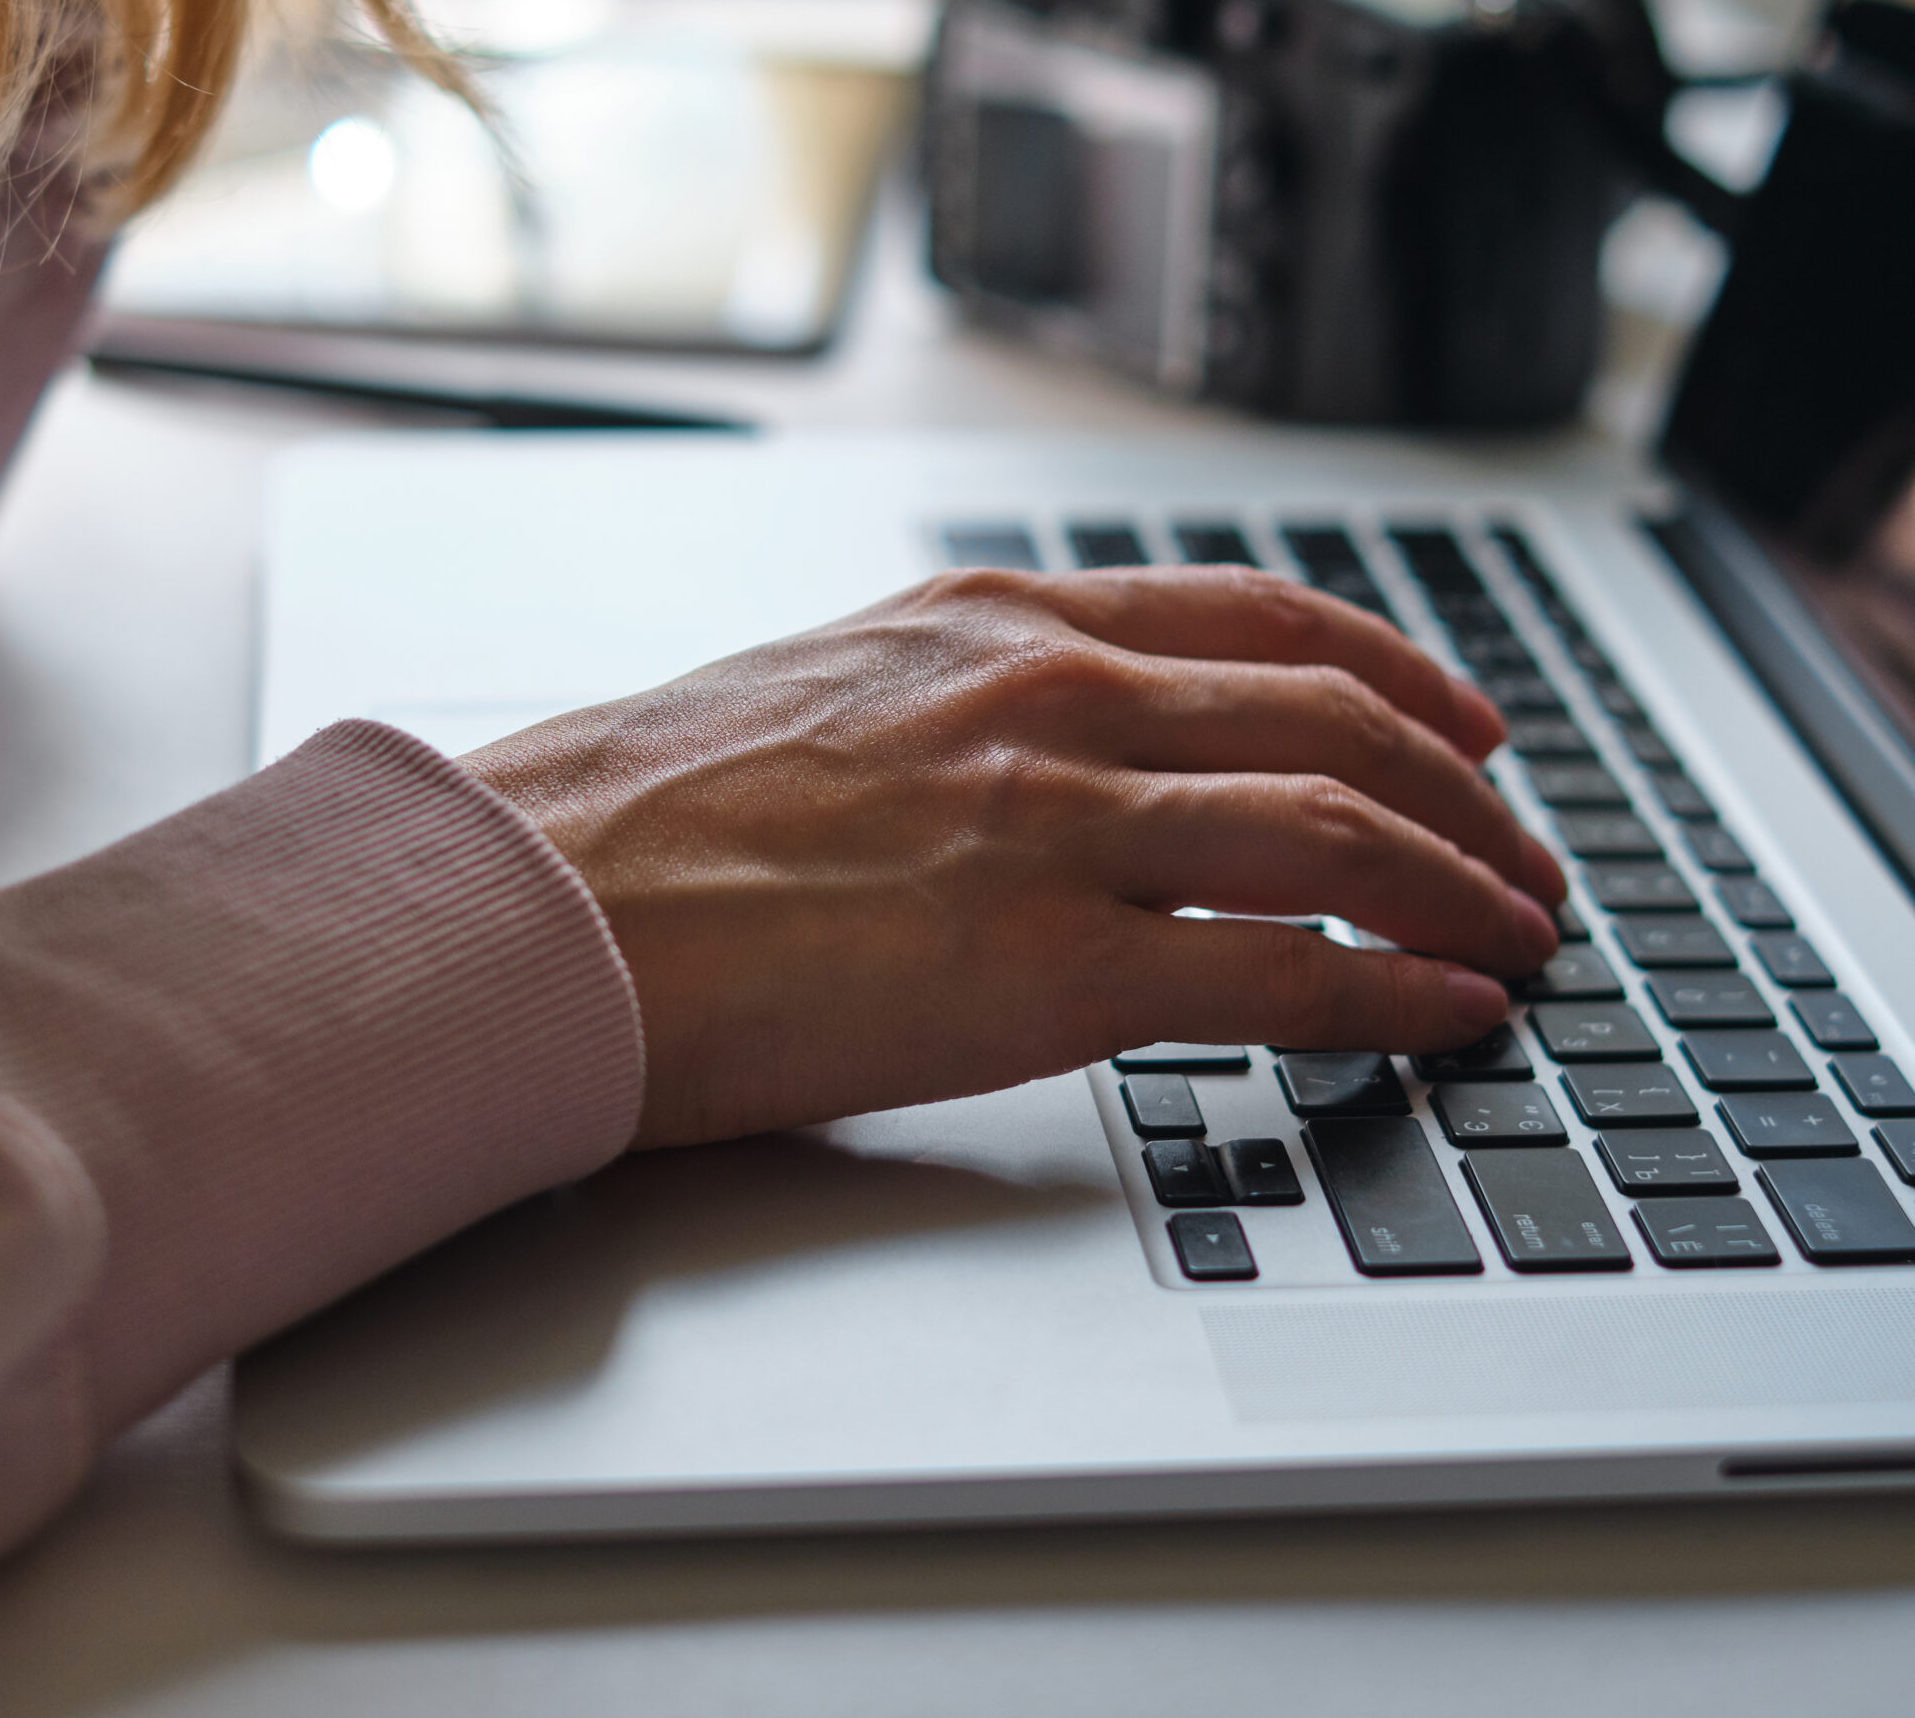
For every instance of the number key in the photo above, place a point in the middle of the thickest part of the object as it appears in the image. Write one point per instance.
(1607, 835)
(1632, 887)
(1578, 974)
(1747, 1062)
(1709, 999)
(1654, 940)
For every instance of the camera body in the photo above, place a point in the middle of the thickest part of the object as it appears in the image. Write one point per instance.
(1381, 213)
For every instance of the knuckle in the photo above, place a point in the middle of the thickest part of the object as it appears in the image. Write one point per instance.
(1361, 713)
(990, 585)
(1065, 670)
(1337, 813)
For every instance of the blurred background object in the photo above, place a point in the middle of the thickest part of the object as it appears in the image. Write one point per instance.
(1799, 395)
(1364, 211)
(693, 174)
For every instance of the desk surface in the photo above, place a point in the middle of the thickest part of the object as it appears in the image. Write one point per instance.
(126, 557)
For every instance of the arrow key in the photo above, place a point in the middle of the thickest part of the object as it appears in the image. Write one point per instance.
(1210, 1247)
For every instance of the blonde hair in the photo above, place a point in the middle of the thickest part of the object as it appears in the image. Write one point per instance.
(144, 79)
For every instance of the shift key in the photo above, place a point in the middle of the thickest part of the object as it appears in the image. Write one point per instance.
(1390, 1198)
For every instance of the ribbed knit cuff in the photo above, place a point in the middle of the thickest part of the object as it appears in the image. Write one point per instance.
(304, 1029)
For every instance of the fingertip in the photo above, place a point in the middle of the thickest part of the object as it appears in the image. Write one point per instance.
(1535, 930)
(1540, 874)
(1476, 1002)
(1480, 726)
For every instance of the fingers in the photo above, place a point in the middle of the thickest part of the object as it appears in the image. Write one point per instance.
(1325, 721)
(1242, 614)
(1236, 981)
(1308, 844)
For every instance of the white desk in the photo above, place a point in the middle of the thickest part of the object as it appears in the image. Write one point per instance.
(126, 545)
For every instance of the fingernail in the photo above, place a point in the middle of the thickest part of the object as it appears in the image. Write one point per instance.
(1477, 1002)
(1535, 929)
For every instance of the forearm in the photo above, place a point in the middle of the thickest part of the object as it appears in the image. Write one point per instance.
(296, 1034)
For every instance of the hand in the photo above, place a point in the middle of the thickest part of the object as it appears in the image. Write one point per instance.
(935, 848)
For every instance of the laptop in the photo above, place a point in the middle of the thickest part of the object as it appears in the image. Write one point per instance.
(1657, 1238)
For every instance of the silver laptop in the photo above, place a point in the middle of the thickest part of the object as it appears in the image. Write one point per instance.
(1655, 1239)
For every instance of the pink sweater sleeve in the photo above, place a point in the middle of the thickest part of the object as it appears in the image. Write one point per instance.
(261, 1051)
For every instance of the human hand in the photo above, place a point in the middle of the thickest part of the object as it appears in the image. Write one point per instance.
(935, 848)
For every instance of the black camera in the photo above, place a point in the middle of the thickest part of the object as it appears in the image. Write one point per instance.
(1375, 211)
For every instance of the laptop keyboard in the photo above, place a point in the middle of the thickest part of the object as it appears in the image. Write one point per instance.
(1683, 1087)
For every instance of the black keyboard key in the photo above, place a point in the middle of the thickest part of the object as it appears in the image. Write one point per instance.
(1183, 1059)
(1638, 888)
(1213, 545)
(1753, 904)
(1680, 796)
(1607, 835)
(1007, 546)
(1897, 1140)
(1577, 787)
(1787, 1125)
(1570, 925)
(1647, 748)
(1322, 550)
(1577, 974)
(1437, 559)
(1840, 1213)
(1715, 849)
(1354, 1083)
(1390, 1198)
(1259, 1172)
(1832, 1020)
(1545, 1211)
(1521, 694)
(1700, 998)
(1494, 653)
(1791, 960)
(1182, 1172)
(1162, 1106)
(1640, 1094)
(1655, 941)
(1688, 1233)
(1653, 1161)
(1516, 548)
(1875, 1085)
(1593, 1032)
(1106, 546)
(1210, 1247)
(1497, 1115)
(1548, 737)
(1495, 1057)
(1619, 701)
(1747, 1062)
(1583, 652)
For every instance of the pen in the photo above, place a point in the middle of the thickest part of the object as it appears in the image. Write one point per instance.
(497, 411)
